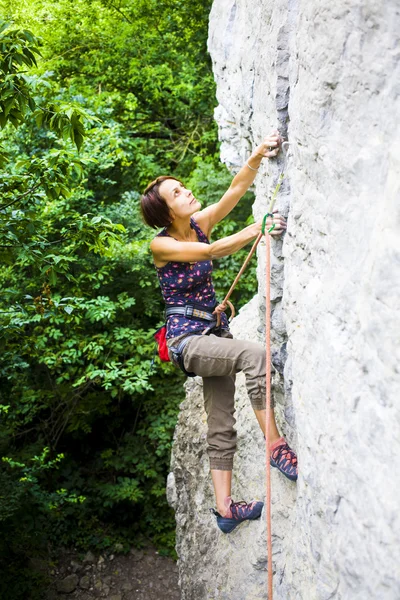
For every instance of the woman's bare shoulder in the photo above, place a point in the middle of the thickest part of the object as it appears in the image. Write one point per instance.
(203, 222)
(159, 242)
(158, 246)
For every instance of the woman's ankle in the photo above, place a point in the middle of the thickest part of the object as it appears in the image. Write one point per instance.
(224, 509)
(273, 439)
(275, 443)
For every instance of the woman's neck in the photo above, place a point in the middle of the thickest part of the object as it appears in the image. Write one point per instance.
(181, 230)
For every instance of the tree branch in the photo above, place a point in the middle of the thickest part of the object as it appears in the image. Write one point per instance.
(35, 187)
(150, 135)
(111, 5)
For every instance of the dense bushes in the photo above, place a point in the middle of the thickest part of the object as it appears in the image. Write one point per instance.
(86, 417)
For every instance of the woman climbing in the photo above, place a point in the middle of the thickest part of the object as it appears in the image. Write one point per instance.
(183, 258)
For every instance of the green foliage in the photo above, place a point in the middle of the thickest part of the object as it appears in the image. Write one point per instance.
(19, 49)
(27, 485)
(86, 419)
(36, 177)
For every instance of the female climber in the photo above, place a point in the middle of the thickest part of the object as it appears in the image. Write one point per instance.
(183, 258)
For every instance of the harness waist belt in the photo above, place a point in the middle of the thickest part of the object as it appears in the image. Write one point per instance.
(191, 312)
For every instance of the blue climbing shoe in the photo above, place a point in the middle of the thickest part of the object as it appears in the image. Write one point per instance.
(237, 513)
(283, 458)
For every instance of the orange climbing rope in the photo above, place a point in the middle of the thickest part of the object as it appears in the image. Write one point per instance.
(268, 409)
(225, 302)
(221, 308)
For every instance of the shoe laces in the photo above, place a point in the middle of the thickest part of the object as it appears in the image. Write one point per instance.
(284, 454)
(240, 509)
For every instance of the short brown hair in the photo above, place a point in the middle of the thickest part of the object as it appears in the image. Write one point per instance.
(155, 211)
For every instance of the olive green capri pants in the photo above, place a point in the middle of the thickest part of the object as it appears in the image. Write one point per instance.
(217, 360)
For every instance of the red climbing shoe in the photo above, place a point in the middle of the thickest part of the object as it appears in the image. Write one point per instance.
(237, 513)
(283, 458)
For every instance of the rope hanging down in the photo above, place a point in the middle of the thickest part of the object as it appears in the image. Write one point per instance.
(221, 308)
(268, 411)
(268, 389)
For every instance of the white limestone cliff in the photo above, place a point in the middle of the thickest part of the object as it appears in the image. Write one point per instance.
(328, 75)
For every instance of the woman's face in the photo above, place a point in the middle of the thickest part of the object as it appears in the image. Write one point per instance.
(180, 200)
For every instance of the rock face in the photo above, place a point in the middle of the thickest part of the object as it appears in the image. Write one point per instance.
(211, 564)
(328, 75)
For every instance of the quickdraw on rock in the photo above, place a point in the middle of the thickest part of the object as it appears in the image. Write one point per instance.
(264, 223)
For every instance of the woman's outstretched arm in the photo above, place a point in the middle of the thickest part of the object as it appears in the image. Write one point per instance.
(166, 249)
(214, 213)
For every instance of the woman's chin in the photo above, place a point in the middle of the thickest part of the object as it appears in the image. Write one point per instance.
(195, 206)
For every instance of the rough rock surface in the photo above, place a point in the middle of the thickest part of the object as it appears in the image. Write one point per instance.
(328, 75)
(212, 564)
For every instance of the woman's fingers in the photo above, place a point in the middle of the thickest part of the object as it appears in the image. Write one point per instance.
(273, 137)
(270, 148)
(271, 142)
(277, 218)
(277, 221)
(276, 232)
(278, 229)
(279, 224)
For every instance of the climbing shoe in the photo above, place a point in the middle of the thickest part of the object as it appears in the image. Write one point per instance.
(283, 458)
(237, 513)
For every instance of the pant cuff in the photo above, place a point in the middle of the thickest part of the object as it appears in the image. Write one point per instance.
(221, 464)
(260, 403)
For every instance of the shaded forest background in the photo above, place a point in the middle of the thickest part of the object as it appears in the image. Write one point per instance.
(97, 98)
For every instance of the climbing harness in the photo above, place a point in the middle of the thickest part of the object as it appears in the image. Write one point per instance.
(174, 353)
(190, 311)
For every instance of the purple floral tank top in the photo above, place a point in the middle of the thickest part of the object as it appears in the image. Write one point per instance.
(188, 283)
